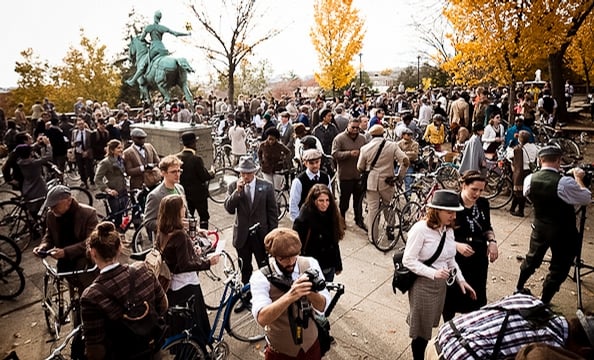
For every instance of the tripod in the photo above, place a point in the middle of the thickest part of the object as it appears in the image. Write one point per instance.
(579, 264)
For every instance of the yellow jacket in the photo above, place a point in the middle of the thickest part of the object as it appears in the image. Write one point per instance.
(435, 135)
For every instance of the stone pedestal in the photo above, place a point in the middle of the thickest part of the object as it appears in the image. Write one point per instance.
(167, 138)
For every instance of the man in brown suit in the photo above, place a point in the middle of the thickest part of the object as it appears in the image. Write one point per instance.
(139, 157)
(459, 115)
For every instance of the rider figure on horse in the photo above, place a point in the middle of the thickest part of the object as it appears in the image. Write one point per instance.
(156, 48)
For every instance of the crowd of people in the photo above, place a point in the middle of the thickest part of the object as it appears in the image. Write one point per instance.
(378, 137)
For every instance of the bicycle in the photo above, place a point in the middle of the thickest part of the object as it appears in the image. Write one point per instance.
(10, 248)
(56, 309)
(499, 185)
(283, 194)
(19, 223)
(131, 214)
(77, 349)
(241, 325)
(12, 279)
(219, 184)
(222, 151)
(546, 135)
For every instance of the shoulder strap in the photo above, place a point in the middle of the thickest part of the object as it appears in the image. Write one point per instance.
(437, 252)
(377, 154)
(136, 154)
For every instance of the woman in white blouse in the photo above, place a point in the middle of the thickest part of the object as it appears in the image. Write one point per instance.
(427, 295)
(494, 134)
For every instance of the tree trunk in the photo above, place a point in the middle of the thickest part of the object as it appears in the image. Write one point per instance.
(231, 90)
(511, 116)
(555, 61)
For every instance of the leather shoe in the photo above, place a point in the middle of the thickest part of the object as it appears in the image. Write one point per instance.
(361, 224)
(517, 213)
(240, 307)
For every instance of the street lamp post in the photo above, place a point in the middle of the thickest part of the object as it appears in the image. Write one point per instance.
(360, 70)
(418, 72)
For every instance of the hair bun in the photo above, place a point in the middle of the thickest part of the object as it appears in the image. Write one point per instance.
(105, 228)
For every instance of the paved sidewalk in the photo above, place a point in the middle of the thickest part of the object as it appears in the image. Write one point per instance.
(369, 322)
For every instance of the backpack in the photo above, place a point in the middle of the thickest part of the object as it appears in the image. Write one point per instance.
(141, 331)
(548, 104)
(155, 264)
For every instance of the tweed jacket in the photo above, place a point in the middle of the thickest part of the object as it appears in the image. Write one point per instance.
(110, 174)
(85, 221)
(98, 310)
(384, 167)
(342, 146)
(133, 162)
(264, 210)
(153, 201)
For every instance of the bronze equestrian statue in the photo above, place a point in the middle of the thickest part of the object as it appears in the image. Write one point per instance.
(154, 67)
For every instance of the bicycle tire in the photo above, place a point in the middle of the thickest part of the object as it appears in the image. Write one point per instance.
(242, 325)
(182, 349)
(50, 305)
(10, 248)
(227, 157)
(385, 229)
(82, 195)
(281, 203)
(409, 215)
(12, 279)
(213, 281)
(142, 239)
(219, 184)
(571, 150)
(448, 176)
(15, 223)
(499, 191)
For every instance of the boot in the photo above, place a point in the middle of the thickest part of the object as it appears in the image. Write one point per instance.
(418, 346)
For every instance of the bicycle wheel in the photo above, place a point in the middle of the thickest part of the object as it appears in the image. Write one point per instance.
(385, 229)
(50, 304)
(281, 203)
(409, 215)
(71, 173)
(82, 195)
(449, 177)
(226, 155)
(242, 325)
(571, 150)
(213, 281)
(182, 349)
(15, 224)
(499, 191)
(218, 186)
(142, 239)
(12, 280)
(9, 248)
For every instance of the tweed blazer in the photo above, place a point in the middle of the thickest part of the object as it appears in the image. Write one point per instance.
(133, 160)
(384, 167)
(98, 310)
(264, 210)
(153, 201)
(109, 174)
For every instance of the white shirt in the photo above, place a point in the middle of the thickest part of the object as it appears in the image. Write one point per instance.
(421, 245)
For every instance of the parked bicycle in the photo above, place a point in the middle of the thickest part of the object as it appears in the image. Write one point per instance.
(12, 279)
(219, 184)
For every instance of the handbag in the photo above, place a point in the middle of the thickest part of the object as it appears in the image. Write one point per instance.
(365, 174)
(404, 278)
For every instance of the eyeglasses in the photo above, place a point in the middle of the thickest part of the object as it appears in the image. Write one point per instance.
(175, 171)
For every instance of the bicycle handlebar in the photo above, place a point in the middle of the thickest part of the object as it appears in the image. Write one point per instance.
(54, 271)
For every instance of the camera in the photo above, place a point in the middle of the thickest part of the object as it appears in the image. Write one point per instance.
(317, 283)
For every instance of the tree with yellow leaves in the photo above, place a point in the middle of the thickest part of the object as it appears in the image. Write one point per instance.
(581, 51)
(337, 35)
(33, 82)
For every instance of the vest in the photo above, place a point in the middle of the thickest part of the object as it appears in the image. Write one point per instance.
(549, 209)
(307, 184)
(278, 333)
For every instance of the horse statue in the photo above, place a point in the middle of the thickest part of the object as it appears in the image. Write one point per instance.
(162, 73)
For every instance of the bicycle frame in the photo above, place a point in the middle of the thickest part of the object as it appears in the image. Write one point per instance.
(229, 294)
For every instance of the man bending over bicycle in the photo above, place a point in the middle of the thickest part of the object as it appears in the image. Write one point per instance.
(69, 224)
(290, 284)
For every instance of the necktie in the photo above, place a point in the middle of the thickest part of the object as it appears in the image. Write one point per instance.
(316, 178)
(248, 193)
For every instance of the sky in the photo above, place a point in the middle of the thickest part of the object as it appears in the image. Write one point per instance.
(51, 27)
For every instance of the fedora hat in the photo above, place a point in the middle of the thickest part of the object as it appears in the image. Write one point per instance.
(446, 200)
(246, 165)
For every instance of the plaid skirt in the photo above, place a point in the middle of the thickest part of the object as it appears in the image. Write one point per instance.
(426, 298)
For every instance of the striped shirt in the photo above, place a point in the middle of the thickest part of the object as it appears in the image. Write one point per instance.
(479, 330)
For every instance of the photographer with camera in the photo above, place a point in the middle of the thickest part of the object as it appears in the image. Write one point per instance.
(285, 294)
(553, 197)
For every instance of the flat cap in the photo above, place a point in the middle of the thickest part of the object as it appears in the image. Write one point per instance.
(550, 150)
(57, 194)
(137, 132)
